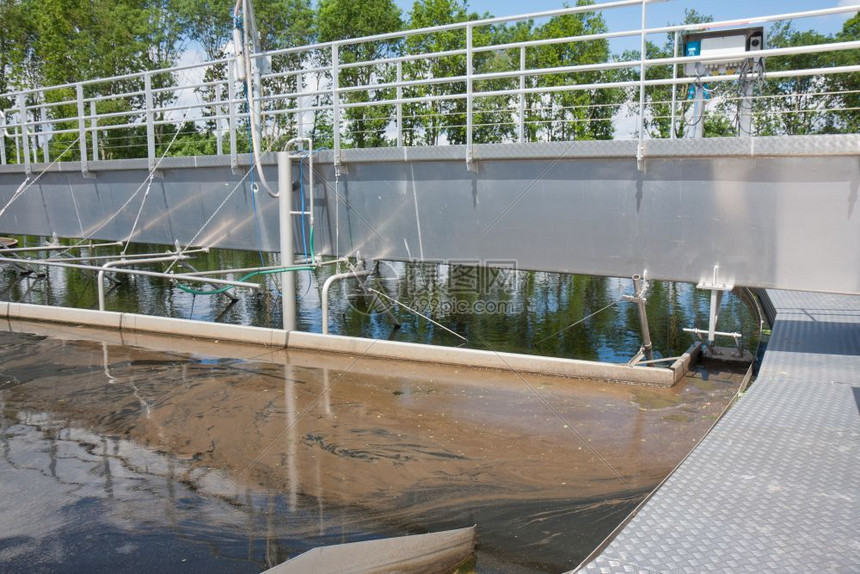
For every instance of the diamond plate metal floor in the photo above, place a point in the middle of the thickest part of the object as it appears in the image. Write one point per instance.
(776, 485)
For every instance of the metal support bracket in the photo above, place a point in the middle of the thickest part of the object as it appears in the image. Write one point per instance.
(717, 289)
(641, 285)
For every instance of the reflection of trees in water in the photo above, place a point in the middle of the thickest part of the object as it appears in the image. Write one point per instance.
(534, 312)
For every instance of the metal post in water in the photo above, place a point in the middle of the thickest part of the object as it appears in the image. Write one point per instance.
(285, 195)
(639, 289)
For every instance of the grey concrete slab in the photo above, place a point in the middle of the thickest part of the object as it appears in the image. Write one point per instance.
(776, 485)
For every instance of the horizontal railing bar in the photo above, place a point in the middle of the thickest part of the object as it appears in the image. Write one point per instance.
(127, 271)
(57, 247)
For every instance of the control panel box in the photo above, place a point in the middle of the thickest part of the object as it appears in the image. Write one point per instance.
(726, 50)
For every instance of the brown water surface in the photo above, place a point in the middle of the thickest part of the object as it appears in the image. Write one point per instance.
(121, 457)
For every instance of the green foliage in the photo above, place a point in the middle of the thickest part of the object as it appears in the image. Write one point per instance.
(345, 19)
(576, 113)
(56, 42)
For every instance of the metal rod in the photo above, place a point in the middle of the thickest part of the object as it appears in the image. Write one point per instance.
(2, 138)
(267, 268)
(94, 123)
(112, 264)
(414, 312)
(325, 289)
(25, 137)
(46, 154)
(399, 106)
(335, 98)
(172, 276)
(57, 247)
(150, 119)
(132, 256)
(641, 289)
(469, 90)
(640, 149)
(231, 95)
(522, 96)
(674, 90)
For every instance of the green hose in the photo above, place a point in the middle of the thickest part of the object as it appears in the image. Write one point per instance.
(246, 277)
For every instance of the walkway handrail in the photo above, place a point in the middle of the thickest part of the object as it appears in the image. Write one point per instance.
(33, 116)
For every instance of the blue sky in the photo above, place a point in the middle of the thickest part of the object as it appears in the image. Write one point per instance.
(672, 11)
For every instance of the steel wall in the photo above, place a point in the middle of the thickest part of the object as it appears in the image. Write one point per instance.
(771, 212)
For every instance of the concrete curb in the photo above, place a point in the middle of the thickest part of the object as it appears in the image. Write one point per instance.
(421, 353)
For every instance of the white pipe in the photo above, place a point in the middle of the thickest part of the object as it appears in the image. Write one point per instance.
(327, 285)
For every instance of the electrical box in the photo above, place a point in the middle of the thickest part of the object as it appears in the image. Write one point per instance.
(730, 48)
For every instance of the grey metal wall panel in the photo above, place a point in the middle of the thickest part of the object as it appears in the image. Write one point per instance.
(781, 222)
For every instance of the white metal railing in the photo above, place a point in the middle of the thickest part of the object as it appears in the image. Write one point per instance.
(392, 97)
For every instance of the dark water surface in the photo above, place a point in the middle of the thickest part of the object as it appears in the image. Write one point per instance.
(137, 453)
(493, 308)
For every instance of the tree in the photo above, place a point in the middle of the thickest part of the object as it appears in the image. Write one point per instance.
(346, 19)
(426, 123)
(848, 85)
(576, 113)
(797, 104)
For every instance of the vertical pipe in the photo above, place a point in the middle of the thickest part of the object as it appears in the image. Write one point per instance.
(25, 137)
(674, 89)
(94, 124)
(714, 315)
(231, 96)
(285, 195)
(522, 129)
(745, 125)
(469, 86)
(698, 112)
(335, 101)
(647, 346)
(150, 120)
(399, 104)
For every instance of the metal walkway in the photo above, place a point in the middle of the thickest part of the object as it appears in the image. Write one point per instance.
(776, 485)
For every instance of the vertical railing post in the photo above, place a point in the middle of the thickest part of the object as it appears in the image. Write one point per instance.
(94, 125)
(399, 105)
(82, 129)
(469, 102)
(231, 96)
(25, 137)
(522, 127)
(335, 100)
(640, 149)
(300, 115)
(217, 112)
(674, 89)
(43, 128)
(150, 120)
(2, 138)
